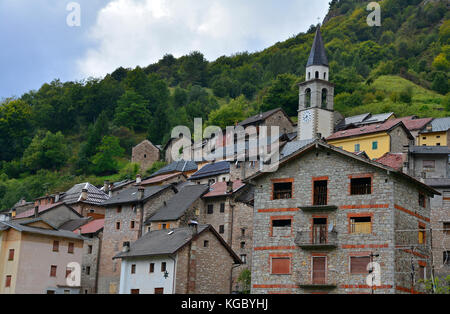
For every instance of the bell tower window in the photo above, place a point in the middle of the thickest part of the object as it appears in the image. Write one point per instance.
(308, 98)
(324, 98)
(317, 74)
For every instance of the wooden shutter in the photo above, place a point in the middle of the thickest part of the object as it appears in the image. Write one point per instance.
(8, 281)
(70, 248)
(159, 290)
(55, 246)
(358, 264)
(281, 266)
(319, 269)
(11, 255)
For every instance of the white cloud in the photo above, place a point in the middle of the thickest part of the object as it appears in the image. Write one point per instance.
(139, 32)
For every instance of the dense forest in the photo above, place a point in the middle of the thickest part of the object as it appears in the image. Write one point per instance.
(68, 132)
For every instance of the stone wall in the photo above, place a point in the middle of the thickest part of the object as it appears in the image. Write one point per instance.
(91, 260)
(145, 154)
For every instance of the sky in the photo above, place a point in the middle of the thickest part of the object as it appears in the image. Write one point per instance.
(37, 45)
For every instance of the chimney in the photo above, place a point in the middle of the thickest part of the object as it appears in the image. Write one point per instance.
(126, 247)
(84, 194)
(36, 211)
(229, 187)
(405, 159)
(56, 197)
(106, 186)
(141, 192)
(193, 225)
(138, 179)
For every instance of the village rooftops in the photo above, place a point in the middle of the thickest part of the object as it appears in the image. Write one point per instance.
(212, 169)
(174, 208)
(170, 241)
(370, 129)
(438, 125)
(430, 150)
(393, 160)
(161, 178)
(42, 209)
(131, 195)
(261, 117)
(177, 166)
(220, 189)
(75, 195)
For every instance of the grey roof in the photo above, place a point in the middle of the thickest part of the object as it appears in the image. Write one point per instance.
(160, 242)
(439, 125)
(212, 169)
(177, 166)
(130, 195)
(248, 195)
(259, 117)
(22, 227)
(318, 55)
(74, 224)
(438, 182)
(357, 119)
(95, 195)
(168, 242)
(434, 150)
(292, 147)
(377, 118)
(175, 207)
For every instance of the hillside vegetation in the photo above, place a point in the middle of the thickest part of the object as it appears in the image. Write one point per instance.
(68, 132)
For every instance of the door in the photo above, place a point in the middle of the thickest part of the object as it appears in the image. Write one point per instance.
(320, 231)
(319, 269)
(159, 290)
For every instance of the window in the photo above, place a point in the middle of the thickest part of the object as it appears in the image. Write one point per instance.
(422, 235)
(8, 281)
(281, 227)
(70, 248)
(133, 269)
(361, 186)
(325, 75)
(152, 268)
(11, 255)
(317, 74)
(118, 225)
(361, 225)
(222, 207)
(324, 98)
(357, 148)
(210, 209)
(206, 243)
(119, 209)
(134, 291)
(308, 98)
(55, 246)
(438, 144)
(163, 266)
(446, 227)
(89, 249)
(319, 269)
(422, 201)
(375, 145)
(320, 193)
(145, 155)
(358, 264)
(159, 290)
(446, 258)
(53, 271)
(132, 224)
(221, 229)
(243, 232)
(88, 270)
(281, 265)
(282, 191)
(429, 164)
(309, 75)
(422, 272)
(320, 231)
(242, 245)
(244, 258)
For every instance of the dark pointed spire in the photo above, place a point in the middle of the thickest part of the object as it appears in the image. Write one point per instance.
(318, 55)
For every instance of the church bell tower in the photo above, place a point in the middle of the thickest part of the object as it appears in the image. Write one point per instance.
(316, 96)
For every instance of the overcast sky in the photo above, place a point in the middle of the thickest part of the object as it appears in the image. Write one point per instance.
(37, 45)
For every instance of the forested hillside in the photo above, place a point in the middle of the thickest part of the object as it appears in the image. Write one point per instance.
(68, 132)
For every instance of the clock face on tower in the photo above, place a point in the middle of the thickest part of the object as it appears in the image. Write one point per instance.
(307, 116)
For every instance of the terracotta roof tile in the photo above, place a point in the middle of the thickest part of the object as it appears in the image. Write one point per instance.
(220, 188)
(392, 160)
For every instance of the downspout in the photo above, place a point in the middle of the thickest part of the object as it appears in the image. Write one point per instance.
(188, 268)
(231, 276)
(174, 274)
(98, 263)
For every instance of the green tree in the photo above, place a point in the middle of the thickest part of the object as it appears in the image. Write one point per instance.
(105, 160)
(132, 111)
(440, 83)
(245, 279)
(227, 115)
(283, 93)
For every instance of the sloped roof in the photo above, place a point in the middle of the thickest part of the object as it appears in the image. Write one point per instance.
(438, 182)
(432, 150)
(413, 124)
(262, 116)
(95, 195)
(175, 207)
(357, 119)
(220, 189)
(43, 209)
(439, 125)
(177, 166)
(161, 178)
(392, 160)
(22, 227)
(318, 55)
(369, 129)
(131, 195)
(378, 118)
(212, 169)
(165, 242)
(292, 147)
(93, 226)
(74, 224)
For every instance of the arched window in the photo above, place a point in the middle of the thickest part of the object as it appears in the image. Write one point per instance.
(325, 76)
(309, 75)
(324, 97)
(308, 98)
(317, 74)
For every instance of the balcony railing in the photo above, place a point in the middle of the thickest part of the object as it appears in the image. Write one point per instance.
(361, 227)
(319, 239)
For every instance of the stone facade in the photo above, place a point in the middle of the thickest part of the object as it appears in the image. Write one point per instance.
(129, 219)
(145, 154)
(91, 260)
(400, 138)
(392, 207)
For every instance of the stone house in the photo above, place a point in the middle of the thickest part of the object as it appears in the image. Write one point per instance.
(145, 154)
(51, 251)
(125, 214)
(436, 133)
(55, 214)
(164, 179)
(327, 213)
(185, 167)
(177, 261)
(86, 199)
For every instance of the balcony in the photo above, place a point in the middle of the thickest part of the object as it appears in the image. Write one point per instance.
(317, 208)
(320, 239)
(317, 286)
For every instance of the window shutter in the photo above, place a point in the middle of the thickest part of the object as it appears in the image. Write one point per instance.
(358, 264)
(281, 266)
(319, 269)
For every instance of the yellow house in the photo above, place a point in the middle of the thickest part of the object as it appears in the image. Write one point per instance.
(376, 140)
(436, 133)
(35, 257)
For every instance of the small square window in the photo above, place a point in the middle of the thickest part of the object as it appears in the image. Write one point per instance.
(361, 225)
(53, 271)
(358, 264)
(133, 269)
(422, 200)
(375, 145)
(152, 268)
(357, 148)
(70, 248)
(210, 209)
(55, 246)
(281, 266)
(222, 207)
(361, 186)
(163, 266)
(282, 191)
(221, 229)
(11, 255)
(242, 245)
(206, 243)
(118, 225)
(119, 209)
